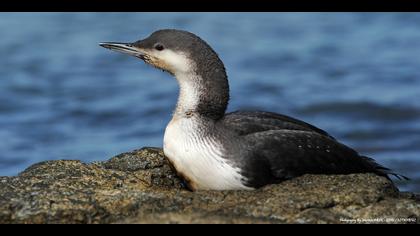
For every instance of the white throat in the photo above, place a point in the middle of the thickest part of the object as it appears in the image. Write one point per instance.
(189, 94)
(184, 70)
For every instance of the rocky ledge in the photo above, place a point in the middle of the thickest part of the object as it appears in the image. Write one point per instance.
(140, 187)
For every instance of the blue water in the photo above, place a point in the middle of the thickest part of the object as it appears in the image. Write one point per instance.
(64, 97)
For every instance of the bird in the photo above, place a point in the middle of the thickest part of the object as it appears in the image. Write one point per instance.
(241, 150)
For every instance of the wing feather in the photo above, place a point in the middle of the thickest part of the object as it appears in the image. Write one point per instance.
(292, 153)
(247, 122)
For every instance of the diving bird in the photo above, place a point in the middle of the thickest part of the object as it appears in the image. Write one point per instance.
(242, 150)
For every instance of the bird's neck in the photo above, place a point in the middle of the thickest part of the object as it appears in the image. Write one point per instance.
(203, 94)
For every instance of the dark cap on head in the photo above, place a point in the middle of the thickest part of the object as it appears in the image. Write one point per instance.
(177, 40)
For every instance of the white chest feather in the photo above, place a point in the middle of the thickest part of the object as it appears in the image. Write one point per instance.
(199, 158)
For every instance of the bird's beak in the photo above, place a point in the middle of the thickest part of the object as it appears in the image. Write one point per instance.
(126, 48)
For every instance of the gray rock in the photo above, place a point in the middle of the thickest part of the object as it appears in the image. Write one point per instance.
(140, 187)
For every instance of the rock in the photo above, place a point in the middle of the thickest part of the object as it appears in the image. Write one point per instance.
(140, 187)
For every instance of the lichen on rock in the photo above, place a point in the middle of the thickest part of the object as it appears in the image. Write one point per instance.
(140, 187)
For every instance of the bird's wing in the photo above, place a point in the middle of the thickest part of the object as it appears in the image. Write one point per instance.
(247, 122)
(291, 153)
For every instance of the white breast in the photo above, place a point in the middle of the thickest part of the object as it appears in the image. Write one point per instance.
(198, 157)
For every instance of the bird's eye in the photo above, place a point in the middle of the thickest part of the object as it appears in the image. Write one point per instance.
(159, 47)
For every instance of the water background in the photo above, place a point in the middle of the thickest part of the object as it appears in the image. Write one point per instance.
(64, 97)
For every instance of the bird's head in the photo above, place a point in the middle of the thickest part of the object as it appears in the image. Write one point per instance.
(174, 51)
(198, 69)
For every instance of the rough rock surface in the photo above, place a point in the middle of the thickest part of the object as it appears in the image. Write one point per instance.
(140, 187)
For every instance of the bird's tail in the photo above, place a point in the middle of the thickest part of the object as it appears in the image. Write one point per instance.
(384, 171)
